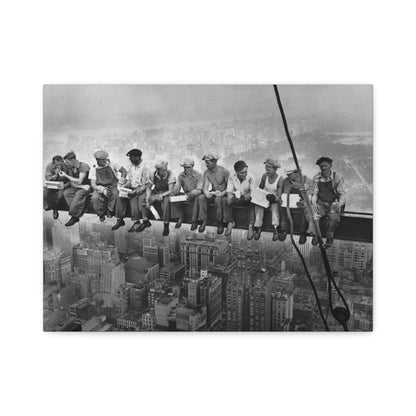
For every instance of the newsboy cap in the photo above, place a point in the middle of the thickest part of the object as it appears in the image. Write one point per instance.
(187, 161)
(101, 154)
(161, 164)
(272, 162)
(70, 155)
(294, 170)
(210, 156)
(324, 159)
(134, 152)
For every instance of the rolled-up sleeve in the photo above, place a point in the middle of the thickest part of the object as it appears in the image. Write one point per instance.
(50, 174)
(146, 176)
(172, 178)
(341, 190)
(199, 181)
(252, 183)
(178, 184)
(230, 185)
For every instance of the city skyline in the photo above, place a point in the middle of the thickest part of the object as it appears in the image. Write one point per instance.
(97, 279)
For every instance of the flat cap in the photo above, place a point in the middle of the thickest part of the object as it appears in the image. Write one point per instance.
(324, 159)
(272, 162)
(294, 170)
(134, 152)
(187, 161)
(70, 155)
(161, 164)
(210, 156)
(101, 154)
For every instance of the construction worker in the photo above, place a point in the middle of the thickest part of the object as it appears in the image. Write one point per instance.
(52, 197)
(272, 183)
(190, 181)
(104, 180)
(214, 189)
(158, 194)
(240, 185)
(292, 185)
(138, 177)
(76, 195)
(329, 197)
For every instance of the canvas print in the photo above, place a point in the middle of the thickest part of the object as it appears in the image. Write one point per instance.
(207, 208)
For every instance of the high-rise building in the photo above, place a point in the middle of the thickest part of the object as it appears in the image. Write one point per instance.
(150, 250)
(104, 230)
(90, 258)
(65, 297)
(163, 255)
(211, 297)
(51, 266)
(200, 254)
(137, 297)
(173, 274)
(64, 238)
(237, 305)
(281, 311)
(191, 319)
(258, 296)
(140, 270)
(82, 282)
(112, 276)
(165, 311)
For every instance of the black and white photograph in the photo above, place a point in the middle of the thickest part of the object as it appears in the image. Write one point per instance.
(208, 208)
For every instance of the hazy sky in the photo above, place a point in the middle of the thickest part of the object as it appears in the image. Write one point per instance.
(143, 106)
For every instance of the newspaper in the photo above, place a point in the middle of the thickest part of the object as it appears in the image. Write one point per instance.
(178, 198)
(258, 197)
(293, 200)
(54, 184)
(124, 192)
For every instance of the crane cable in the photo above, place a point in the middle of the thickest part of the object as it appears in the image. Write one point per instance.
(304, 264)
(340, 313)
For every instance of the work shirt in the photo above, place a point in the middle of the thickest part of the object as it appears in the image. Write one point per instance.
(244, 187)
(188, 182)
(162, 185)
(52, 172)
(338, 185)
(218, 179)
(138, 175)
(77, 169)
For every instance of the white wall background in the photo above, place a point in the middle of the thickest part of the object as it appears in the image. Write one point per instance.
(214, 42)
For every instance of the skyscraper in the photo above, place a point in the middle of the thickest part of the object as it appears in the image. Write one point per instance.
(200, 254)
(112, 276)
(237, 305)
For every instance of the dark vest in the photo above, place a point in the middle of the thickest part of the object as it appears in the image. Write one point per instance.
(161, 185)
(105, 176)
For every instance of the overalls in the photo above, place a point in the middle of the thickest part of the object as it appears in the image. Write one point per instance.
(105, 177)
(326, 197)
(76, 198)
(162, 185)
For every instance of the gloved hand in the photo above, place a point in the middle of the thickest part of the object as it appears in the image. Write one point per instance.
(271, 198)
